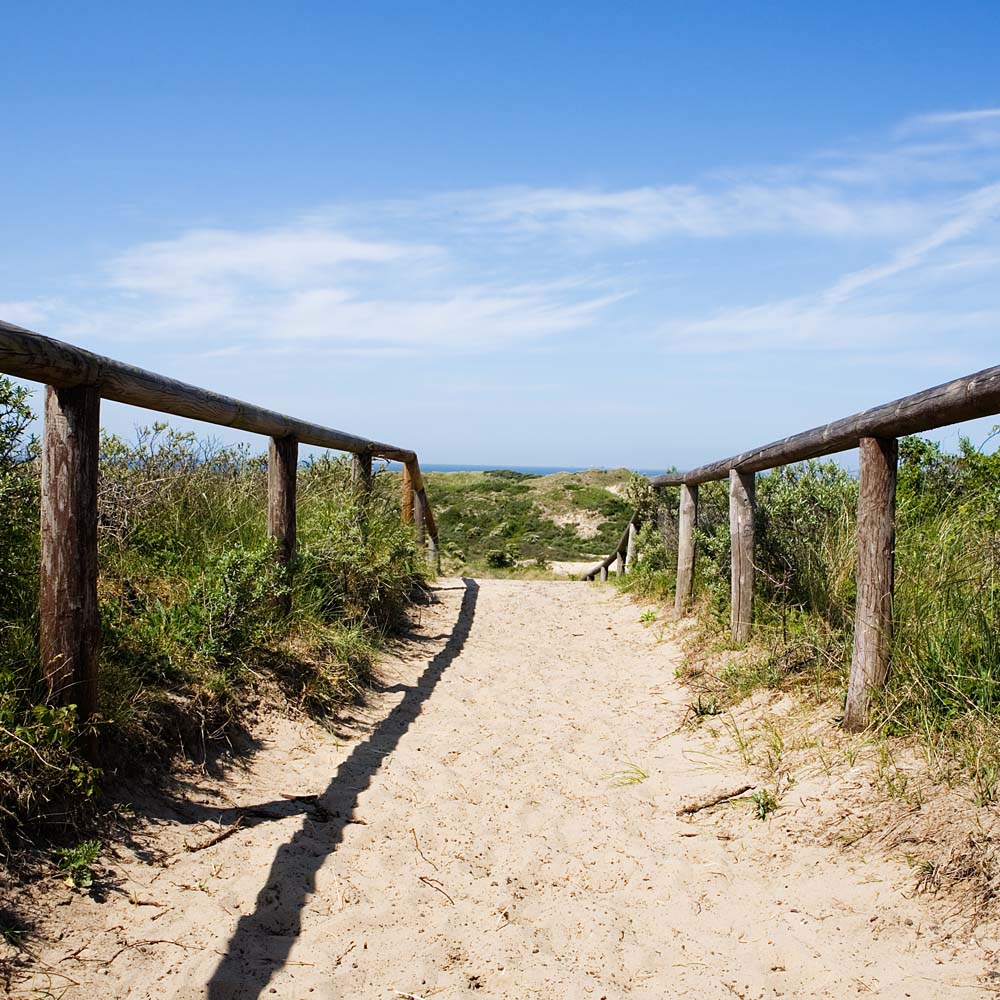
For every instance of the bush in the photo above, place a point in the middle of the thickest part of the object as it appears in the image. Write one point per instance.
(501, 559)
(944, 682)
(191, 599)
(39, 766)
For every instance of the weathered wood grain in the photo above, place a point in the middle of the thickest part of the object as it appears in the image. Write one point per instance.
(686, 552)
(741, 530)
(42, 359)
(361, 472)
(406, 494)
(630, 546)
(966, 398)
(282, 484)
(876, 572)
(70, 626)
(431, 524)
(608, 560)
(420, 516)
(433, 553)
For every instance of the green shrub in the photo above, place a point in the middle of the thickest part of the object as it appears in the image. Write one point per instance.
(501, 559)
(191, 598)
(232, 604)
(944, 682)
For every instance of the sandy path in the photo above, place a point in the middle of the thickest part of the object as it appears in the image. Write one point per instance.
(473, 842)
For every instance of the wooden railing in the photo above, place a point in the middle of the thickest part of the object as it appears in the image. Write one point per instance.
(874, 432)
(76, 381)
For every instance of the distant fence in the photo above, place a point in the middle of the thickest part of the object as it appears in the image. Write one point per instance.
(874, 432)
(76, 381)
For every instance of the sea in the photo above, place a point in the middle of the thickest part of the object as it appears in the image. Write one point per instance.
(531, 470)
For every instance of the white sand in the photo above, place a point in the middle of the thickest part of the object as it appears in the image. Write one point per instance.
(475, 844)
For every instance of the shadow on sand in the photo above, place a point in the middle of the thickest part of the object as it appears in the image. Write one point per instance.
(264, 938)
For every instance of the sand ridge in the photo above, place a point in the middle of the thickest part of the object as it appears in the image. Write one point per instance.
(487, 829)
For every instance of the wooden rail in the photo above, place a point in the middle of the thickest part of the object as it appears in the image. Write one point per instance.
(874, 432)
(76, 381)
(621, 555)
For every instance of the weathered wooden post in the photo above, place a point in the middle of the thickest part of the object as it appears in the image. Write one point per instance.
(630, 546)
(876, 572)
(686, 553)
(406, 498)
(433, 552)
(619, 564)
(604, 574)
(361, 472)
(282, 478)
(420, 516)
(70, 624)
(741, 531)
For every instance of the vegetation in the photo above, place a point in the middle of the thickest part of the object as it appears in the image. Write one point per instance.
(945, 680)
(631, 774)
(190, 597)
(765, 802)
(77, 863)
(498, 520)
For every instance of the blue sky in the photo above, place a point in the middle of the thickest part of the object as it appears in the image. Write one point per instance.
(645, 235)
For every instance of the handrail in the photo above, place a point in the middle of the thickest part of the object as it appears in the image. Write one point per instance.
(620, 551)
(623, 555)
(966, 398)
(29, 355)
(875, 432)
(77, 381)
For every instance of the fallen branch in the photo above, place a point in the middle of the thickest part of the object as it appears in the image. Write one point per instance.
(713, 800)
(217, 839)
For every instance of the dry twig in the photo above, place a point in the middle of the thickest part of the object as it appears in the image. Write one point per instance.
(713, 800)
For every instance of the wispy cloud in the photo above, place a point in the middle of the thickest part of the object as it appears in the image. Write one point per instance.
(936, 286)
(287, 257)
(28, 312)
(972, 212)
(939, 119)
(588, 219)
(868, 226)
(318, 283)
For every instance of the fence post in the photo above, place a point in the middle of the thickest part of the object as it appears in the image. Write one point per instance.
(876, 571)
(406, 498)
(686, 553)
(70, 624)
(630, 548)
(433, 554)
(282, 475)
(420, 516)
(361, 472)
(619, 564)
(741, 532)
(604, 573)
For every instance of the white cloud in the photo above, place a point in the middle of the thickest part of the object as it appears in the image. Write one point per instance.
(315, 282)
(27, 313)
(972, 212)
(479, 270)
(939, 119)
(590, 219)
(935, 287)
(271, 258)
